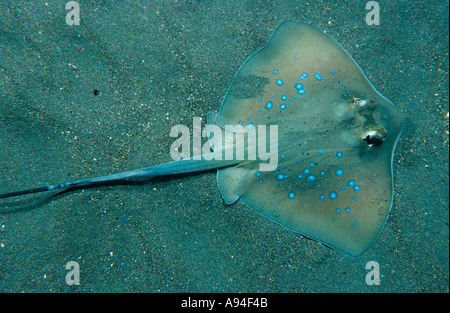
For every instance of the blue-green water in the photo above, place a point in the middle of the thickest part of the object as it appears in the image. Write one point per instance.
(156, 64)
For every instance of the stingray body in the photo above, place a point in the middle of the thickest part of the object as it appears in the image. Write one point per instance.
(336, 136)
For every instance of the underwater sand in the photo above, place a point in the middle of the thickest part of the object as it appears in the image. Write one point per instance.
(156, 64)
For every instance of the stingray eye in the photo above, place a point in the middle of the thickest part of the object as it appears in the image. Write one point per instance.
(373, 141)
(375, 137)
(367, 102)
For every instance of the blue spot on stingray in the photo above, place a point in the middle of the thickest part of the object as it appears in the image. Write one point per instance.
(338, 210)
(332, 72)
(279, 82)
(320, 151)
(299, 176)
(351, 183)
(269, 105)
(240, 122)
(291, 195)
(306, 171)
(339, 154)
(318, 76)
(250, 126)
(322, 173)
(347, 210)
(339, 172)
(311, 177)
(275, 71)
(312, 164)
(301, 91)
(356, 187)
(257, 174)
(344, 187)
(321, 197)
(319, 59)
(282, 106)
(355, 198)
(283, 97)
(282, 155)
(260, 181)
(340, 83)
(280, 176)
(333, 195)
(259, 99)
(303, 76)
(298, 86)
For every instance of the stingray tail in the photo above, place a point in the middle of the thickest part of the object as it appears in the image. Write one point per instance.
(172, 168)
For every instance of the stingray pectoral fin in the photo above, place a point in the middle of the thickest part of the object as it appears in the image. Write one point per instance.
(344, 208)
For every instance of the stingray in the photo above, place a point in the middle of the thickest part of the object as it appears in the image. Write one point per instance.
(333, 181)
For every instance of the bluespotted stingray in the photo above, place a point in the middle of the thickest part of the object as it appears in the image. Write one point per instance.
(336, 137)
